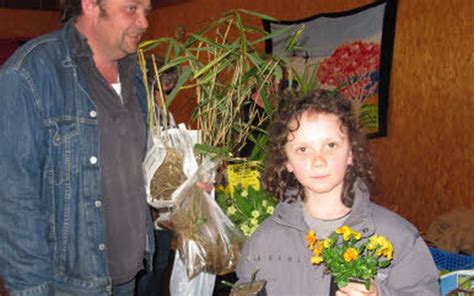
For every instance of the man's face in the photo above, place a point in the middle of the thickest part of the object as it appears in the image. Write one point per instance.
(120, 26)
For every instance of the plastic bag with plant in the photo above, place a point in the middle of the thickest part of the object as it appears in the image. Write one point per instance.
(168, 164)
(207, 239)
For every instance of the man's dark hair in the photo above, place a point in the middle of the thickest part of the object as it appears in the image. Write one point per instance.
(72, 9)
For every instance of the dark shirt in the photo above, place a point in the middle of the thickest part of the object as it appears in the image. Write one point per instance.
(122, 142)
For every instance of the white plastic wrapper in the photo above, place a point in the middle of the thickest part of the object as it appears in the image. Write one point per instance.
(180, 285)
(183, 141)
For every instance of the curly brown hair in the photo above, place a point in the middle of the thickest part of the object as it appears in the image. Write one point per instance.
(283, 184)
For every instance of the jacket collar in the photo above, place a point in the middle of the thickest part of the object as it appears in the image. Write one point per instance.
(67, 35)
(290, 214)
(360, 218)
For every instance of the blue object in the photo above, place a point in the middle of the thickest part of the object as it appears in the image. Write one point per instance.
(451, 261)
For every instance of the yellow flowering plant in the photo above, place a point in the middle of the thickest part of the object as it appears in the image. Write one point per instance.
(347, 257)
(246, 207)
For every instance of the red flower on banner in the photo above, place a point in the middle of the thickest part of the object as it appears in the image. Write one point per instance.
(352, 69)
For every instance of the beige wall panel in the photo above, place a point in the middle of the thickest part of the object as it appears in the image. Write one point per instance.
(426, 166)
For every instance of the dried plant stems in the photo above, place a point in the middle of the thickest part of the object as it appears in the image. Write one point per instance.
(226, 67)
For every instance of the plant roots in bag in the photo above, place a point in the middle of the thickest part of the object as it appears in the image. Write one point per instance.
(168, 177)
(207, 239)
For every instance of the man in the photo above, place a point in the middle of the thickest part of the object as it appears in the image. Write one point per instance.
(73, 216)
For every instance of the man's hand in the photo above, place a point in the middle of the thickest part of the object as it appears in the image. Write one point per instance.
(206, 187)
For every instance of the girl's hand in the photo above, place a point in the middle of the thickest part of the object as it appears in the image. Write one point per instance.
(355, 289)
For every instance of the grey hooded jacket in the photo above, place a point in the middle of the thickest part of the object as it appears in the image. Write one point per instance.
(278, 251)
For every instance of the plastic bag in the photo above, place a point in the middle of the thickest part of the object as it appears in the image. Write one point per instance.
(169, 162)
(180, 285)
(207, 239)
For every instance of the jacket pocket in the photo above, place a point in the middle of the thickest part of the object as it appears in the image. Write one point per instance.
(63, 129)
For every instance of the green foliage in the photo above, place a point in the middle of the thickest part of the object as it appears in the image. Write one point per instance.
(247, 208)
(347, 257)
(225, 65)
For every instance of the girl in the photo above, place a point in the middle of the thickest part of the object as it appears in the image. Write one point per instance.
(318, 167)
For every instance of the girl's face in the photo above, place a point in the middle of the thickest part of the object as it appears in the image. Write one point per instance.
(318, 154)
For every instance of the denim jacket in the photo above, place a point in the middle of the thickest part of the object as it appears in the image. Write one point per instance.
(52, 229)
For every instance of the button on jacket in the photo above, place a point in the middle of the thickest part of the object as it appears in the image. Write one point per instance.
(52, 225)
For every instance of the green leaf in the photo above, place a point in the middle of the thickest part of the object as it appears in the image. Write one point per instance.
(342, 282)
(258, 150)
(292, 41)
(367, 285)
(276, 33)
(176, 62)
(385, 263)
(257, 14)
(212, 63)
(151, 44)
(243, 205)
(211, 44)
(211, 150)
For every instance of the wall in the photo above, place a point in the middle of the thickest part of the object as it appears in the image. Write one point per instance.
(424, 165)
(20, 23)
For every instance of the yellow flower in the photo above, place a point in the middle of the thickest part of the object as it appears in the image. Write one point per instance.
(357, 235)
(342, 229)
(270, 210)
(346, 243)
(371, 245)
(254, 221)
(316, 259)
(378, 253)
(231, 211)
(350, 254)
(387, 250)
(346, 232)
(264, 203)
(327, 243)
(244, 193)
(245, 229)
(318, 248)
(311, 239)
(381, 246)
(374, 242)
(255, 213)
(220, 187)
(388, 253)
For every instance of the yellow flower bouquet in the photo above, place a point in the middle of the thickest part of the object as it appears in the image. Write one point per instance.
(246, 207)
(347, 257)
